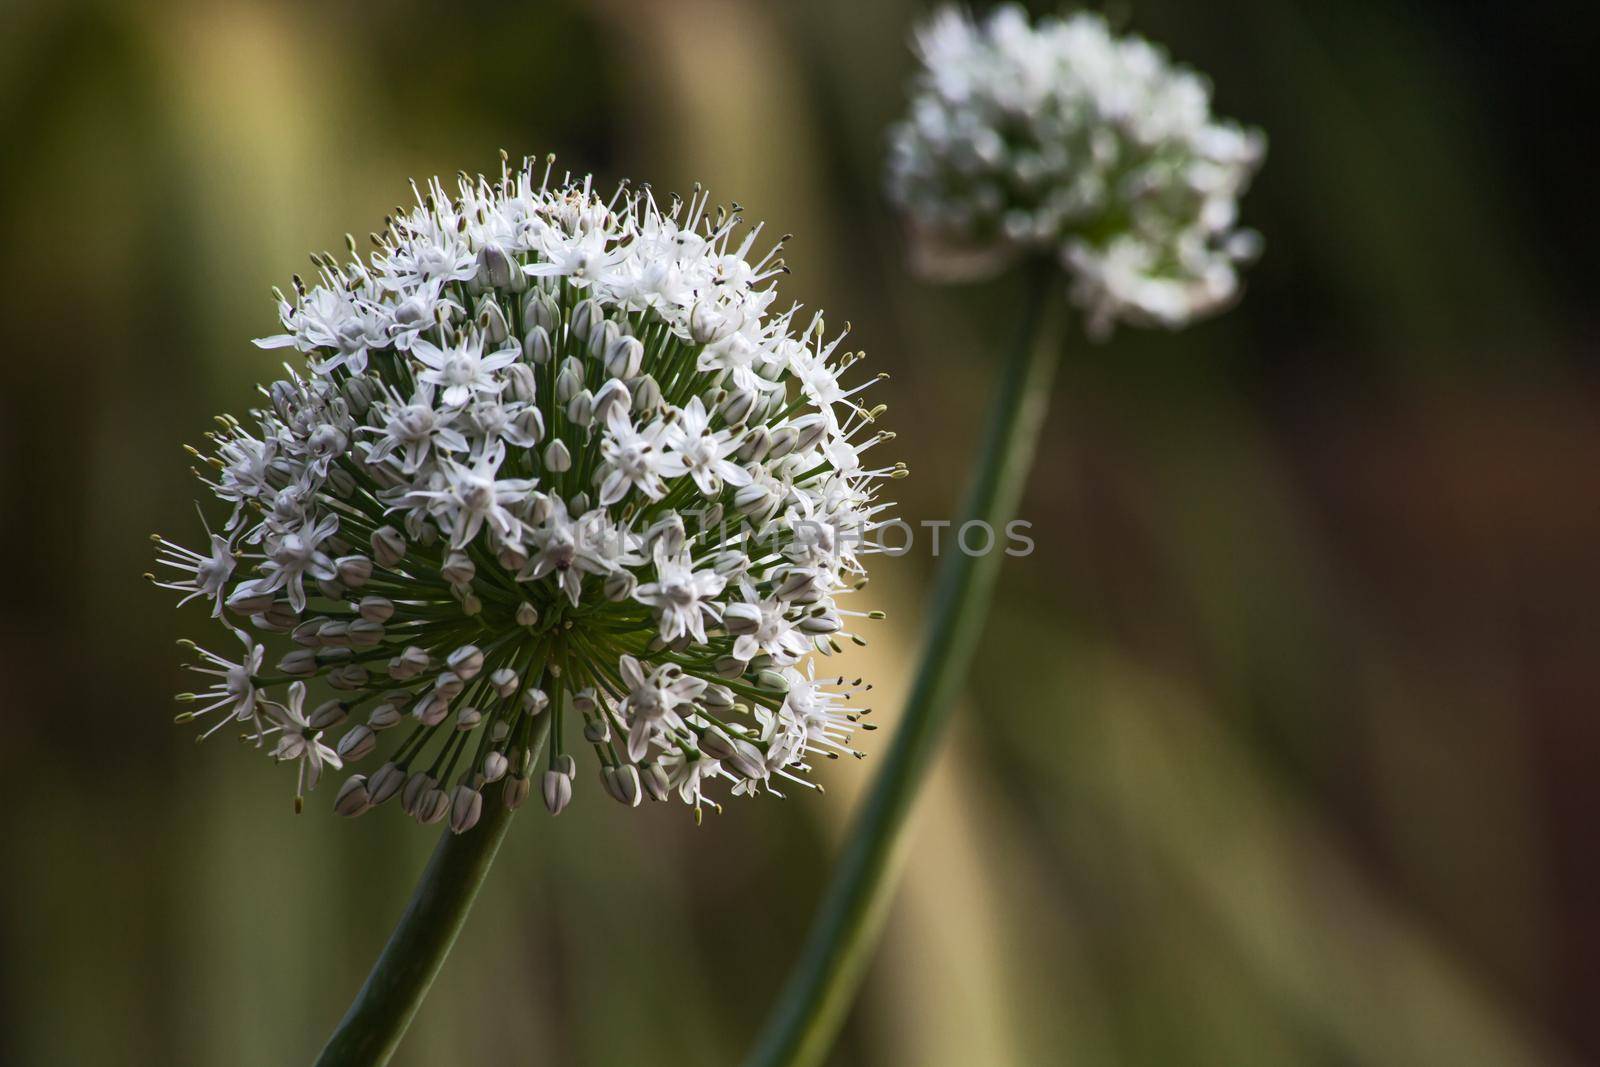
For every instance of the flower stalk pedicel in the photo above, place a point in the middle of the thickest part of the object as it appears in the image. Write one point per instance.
(554, 475)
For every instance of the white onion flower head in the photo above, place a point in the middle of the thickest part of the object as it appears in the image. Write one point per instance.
(552, 472)
(1061, 138)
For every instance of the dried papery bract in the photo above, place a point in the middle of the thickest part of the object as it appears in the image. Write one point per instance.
(475, 511)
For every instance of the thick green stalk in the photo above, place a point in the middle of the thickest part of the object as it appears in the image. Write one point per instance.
(371, 1030)
(802, 1025)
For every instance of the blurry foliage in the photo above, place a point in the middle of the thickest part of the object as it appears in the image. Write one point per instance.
(1282, 748)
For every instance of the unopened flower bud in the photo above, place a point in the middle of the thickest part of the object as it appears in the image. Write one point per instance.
(736, 407)
(245, 600)
(417, 786)
(280, 617)
(612, 397)
(569, 380)
(448, 684)
(599, 338)
(458, 569)
(585, 316)
(773, 681)
(384, 783)
(354, 571)
(541, 309)
(388, 547)
(341, 483)
(465, 809)
(357, 743)
(512, 557)
(799, 586)
(528, 424)
(557, 791)
(746, 760)
(707, 325)
(408, 664)
(496, 268)
(715, 743)
(504, 681)
(308, 634)
(624, 356)
(327, 715)
(784, 438)
(350, 676)
(384, 716)
(646, 395)
(580, 409)
(521, 384)
(619, 585)
(811, 431)
(757, 443)
(433, 807)
(742, 618)
(557, 459)
(359, 392)
(655, 782)
(430, 710)
(536, 347)
(353, 798)
(466, 662)
(623, 784)
(364, 634)
(301, 663)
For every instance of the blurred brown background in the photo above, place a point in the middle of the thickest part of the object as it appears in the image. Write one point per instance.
(1282, 748)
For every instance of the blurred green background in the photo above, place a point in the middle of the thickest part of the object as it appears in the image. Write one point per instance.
(1282, 747)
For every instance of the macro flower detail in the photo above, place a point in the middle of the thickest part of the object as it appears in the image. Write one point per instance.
(553, 474)
(1061, 138)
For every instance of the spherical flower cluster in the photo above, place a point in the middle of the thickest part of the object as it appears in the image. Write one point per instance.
(1061, 138)
(553, 465)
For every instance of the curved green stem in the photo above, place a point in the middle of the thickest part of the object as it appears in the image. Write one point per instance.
(371, 1030)
(802, 1026)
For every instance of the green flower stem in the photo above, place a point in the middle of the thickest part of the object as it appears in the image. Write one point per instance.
(371, 1030)
(802, 1025)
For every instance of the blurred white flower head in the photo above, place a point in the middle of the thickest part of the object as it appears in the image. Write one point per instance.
(1060, 138)
(553, 475)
